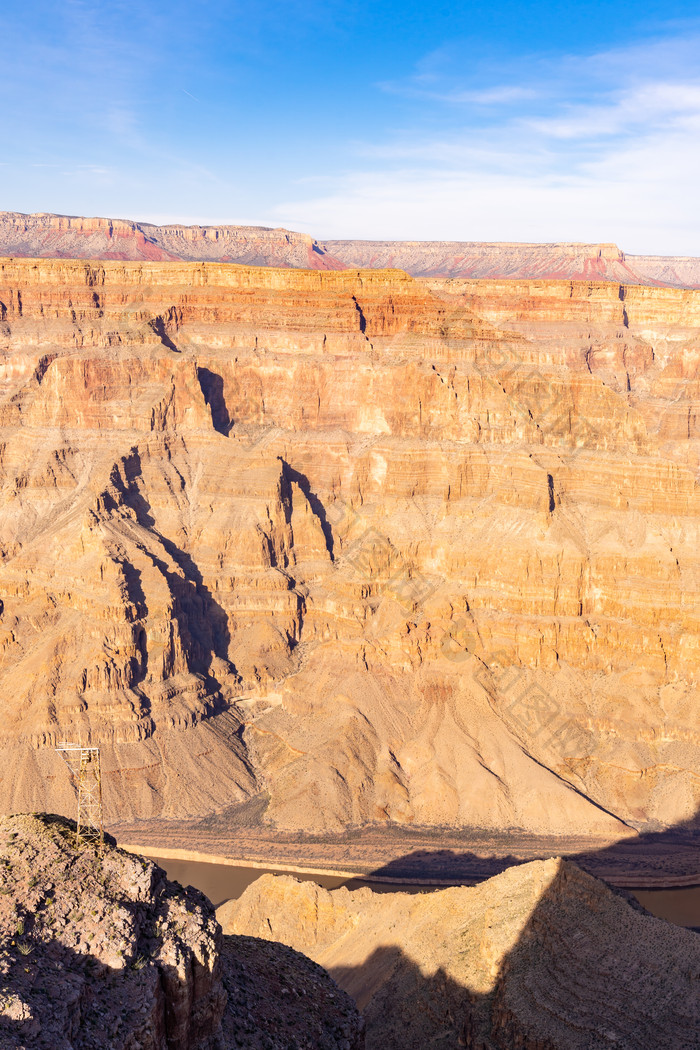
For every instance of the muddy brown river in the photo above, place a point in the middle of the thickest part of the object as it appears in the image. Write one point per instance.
(222, 882)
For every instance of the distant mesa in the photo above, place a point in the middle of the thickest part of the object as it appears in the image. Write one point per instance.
(43, 235)
(48, 236)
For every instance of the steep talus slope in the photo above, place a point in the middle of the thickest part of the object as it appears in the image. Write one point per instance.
(542, 957)
(100, 950)
(361, 547)
(77, 237)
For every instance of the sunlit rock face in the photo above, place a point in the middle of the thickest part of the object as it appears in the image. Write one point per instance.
(43, 235)
(576, 261)
(542, 957)
(369, 547)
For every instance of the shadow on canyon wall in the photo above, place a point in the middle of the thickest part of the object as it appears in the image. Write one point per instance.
(212, 386)
(563, 985)
(289, 475)
(652, 855)
(202, 622)
(406, 1010)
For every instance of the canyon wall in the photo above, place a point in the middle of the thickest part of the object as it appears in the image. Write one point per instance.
(78, 237)
(574, 261)
(362, 547)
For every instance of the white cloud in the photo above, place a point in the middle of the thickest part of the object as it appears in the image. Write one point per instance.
(602, 147)
(493, 95)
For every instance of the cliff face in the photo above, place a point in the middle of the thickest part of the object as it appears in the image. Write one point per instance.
(366, 547)
(76, 237)
(542, 957)
(578, 262)
(101, 952)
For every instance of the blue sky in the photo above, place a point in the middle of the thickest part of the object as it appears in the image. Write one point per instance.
(480, 121)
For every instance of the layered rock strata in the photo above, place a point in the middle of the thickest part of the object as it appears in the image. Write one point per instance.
(77, 237)
(360, 547)
(574, 261)
(542, 957)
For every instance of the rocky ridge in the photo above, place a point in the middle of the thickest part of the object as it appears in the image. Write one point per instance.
(76, 237)
(475, 259)
(102, 951)
(44, 235)
(542, 957)
(350, 547)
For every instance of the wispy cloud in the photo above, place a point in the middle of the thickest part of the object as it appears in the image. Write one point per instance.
(423, 87)
(595, 147)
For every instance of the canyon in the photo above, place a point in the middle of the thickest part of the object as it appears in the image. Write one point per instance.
(44, 235)
(308, 551)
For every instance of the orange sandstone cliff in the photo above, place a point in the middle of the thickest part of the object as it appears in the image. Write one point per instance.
(364, 547)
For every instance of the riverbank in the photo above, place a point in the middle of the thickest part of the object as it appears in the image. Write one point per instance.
(228, 880)
(422, 857)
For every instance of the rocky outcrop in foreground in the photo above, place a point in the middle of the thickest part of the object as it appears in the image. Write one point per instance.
(542, 957)
(102, 951)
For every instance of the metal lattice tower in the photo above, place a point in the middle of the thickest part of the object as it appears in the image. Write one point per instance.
(84, 764)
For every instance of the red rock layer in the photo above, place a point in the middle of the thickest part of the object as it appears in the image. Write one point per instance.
(76, 237)
(580, 262)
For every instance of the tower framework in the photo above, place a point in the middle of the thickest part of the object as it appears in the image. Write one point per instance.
(84, 764)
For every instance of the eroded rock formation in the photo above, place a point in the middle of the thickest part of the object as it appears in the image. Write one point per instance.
(102, 951)
(542, 957)
(77, 237)
(362, 547)
(581, 262)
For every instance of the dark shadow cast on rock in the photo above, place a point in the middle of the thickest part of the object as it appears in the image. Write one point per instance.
(202, 622)
(212, 385)
(568, 964)
(652, 858)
